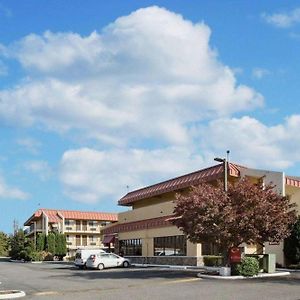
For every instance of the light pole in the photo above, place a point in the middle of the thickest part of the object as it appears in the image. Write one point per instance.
(224, 161)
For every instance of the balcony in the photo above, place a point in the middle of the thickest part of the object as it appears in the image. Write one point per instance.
(73, 229)
(30, 230)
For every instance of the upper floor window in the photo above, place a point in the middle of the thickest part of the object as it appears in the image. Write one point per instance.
(104, 223)
(68, 222)
(93, 223)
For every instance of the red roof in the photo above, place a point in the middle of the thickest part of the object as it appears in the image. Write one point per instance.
(56, 215)
(211, 173)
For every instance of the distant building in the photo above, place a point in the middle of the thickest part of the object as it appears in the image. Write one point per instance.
(146, 234)
(82, 229)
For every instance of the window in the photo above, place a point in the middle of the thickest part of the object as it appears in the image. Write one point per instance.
(92, 240)
(131, 247)
(170, 245)
(93, 223)
(104, 223)
(210, 249)
(68, 222)
(68, 240)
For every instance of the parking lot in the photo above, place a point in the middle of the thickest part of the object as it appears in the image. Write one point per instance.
(63, 281)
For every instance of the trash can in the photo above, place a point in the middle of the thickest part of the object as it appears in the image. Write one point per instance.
(269, 263)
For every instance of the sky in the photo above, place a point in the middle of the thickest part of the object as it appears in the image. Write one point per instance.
(98, 98)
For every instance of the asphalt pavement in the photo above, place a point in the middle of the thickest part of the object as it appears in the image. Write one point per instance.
(63, 281)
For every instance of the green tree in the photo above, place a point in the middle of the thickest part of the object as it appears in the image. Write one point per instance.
(20, 246)
(246, 213)
(51, 243)
(61, 245)
(292, 244)
(4, 244)
(41, 242)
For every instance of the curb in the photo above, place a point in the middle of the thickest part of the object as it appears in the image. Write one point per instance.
(168, 267)
(11, 294)
(287, 270)
(265, 275)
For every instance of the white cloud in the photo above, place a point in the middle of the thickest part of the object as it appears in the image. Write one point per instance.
(253, 143)
(9, 192)
(90, 176)
(39, 167)
(147, 75)
(259, 73)
(30, 144)
(283, 20)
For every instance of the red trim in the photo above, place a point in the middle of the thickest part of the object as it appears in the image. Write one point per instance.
(292, 181)
(138, 225)
(175, 184)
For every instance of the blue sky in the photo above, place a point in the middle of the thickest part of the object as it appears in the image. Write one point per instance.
(97, 99)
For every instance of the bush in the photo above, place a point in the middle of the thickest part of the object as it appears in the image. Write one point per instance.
(36, 256)
(47, 256)
(294, 267)
(71, 258)
(212, 260)
(291, 247)
(248, 267)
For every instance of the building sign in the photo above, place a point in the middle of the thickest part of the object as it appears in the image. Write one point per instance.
(235, 255)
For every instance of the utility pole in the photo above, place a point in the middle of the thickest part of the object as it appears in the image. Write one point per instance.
(224, 161)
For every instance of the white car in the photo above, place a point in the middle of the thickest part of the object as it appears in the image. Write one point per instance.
(106, 260)
(82, 255)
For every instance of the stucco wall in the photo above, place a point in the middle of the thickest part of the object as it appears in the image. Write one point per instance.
(160, 209)
(294, 194)
(269, 177)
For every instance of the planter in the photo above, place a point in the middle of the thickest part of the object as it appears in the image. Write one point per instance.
(225, 271)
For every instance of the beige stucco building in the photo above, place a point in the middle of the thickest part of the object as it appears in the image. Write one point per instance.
(145, 233)
(82, 229)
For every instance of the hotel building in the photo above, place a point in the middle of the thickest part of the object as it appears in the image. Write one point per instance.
(146, 235)
(82, 229)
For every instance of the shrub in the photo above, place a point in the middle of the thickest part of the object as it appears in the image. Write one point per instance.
(36, 256)
(292, 244)
(47, 256)
(212, 260)
(248, 267)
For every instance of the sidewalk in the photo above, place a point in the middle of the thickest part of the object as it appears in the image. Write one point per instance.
(278, 272)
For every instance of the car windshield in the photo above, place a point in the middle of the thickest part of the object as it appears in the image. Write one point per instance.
(78, 255)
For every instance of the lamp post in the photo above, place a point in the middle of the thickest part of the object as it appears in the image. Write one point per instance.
(224, 161)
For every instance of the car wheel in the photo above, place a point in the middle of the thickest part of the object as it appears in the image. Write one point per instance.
(125, 264)
(100, 266)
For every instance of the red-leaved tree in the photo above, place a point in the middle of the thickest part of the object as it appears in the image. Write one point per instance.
(246, 213)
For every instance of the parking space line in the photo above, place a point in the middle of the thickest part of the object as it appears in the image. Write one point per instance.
(47, 293)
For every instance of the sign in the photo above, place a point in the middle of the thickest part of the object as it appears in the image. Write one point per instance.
(235, 255)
